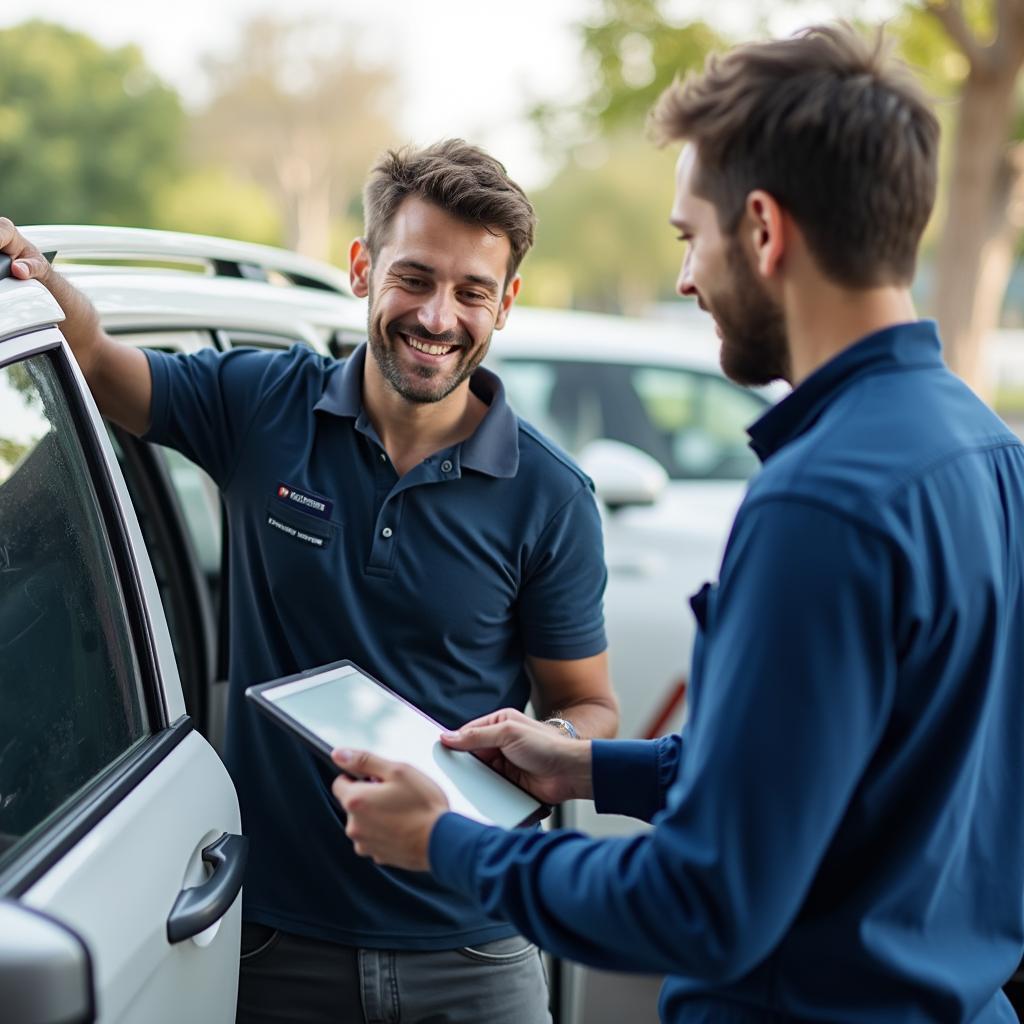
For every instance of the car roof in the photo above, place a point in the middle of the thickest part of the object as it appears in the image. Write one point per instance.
(687, 341)
(213, 255)
(238, 285)
(147, 301)
(25, 306)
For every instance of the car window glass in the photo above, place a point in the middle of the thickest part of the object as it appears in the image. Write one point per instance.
(259, 339)
(563, 400)
(70, 684)
(700, 422)
(693, 423)
(528, 387)
(200, 505)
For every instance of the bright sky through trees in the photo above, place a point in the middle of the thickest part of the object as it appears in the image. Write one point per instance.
(467, 68)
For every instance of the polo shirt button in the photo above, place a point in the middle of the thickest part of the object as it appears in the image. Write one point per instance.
(383, 457)
(386, 532)
(446, 466)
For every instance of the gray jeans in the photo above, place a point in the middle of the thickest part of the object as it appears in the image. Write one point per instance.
(285, 977)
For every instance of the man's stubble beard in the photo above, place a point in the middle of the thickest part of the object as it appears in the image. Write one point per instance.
(384, 353)
(755, 346)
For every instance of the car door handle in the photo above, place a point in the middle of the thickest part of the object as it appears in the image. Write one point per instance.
(200, 906)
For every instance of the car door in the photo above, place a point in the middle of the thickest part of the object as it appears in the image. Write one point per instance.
(117, 819)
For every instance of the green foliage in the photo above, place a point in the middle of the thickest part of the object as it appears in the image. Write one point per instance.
(604, 241)
(216, 202)
(636, 53)
(297, 110)
(87, 134)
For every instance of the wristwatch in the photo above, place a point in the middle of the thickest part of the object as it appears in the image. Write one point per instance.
(564, 726)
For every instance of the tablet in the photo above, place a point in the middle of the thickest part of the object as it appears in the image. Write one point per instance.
(340, 705)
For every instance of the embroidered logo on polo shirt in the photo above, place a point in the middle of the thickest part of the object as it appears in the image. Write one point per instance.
(308, 501)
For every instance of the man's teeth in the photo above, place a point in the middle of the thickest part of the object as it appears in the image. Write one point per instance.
(431, 350)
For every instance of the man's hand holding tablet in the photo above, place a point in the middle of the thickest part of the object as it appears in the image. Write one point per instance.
(391, 810)
(529, 753)
(390, 818)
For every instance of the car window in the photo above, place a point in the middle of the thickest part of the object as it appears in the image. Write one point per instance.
(259, 339)
(200, 505)
(700, 419)
(70, 684)
(693, 423)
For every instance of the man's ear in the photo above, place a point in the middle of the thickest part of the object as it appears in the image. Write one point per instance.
(765, 226)
(511, 291)
(359, 267)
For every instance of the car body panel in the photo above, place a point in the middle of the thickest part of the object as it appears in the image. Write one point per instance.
(116, 889)
(111, 861)
(25, 306)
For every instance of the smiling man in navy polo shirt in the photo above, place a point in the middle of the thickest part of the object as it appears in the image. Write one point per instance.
(837, 831)
(391, 509)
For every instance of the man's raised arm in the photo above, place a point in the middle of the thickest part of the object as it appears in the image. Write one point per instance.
(118, 375)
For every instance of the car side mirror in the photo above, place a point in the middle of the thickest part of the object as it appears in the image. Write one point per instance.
(45, 970)
(622, 475)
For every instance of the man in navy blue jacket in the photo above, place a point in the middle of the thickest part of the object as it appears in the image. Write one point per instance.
(837, 832)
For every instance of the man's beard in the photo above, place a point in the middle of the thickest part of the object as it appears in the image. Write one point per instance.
(755, 347)
(421, 384)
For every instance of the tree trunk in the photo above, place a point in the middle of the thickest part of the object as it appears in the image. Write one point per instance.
(967, 295)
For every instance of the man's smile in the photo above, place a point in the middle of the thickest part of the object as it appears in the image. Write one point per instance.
(427, 347)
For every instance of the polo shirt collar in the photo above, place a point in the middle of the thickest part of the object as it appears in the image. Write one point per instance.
(901, 346)
(493, 448)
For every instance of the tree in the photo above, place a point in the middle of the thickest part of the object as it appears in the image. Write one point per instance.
(296, 111)
(984, 212)
(87, 134)
(604, 241)
(633, 52)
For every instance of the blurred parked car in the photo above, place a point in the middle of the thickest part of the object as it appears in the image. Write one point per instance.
(644, 407)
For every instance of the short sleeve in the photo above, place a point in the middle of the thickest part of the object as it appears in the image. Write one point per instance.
(561, 600)
(205, 403)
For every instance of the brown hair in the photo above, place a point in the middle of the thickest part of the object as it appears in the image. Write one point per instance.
(462, 179)
(826, 123)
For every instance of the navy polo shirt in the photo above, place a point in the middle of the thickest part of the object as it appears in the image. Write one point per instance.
(837, 831)
(439, 582)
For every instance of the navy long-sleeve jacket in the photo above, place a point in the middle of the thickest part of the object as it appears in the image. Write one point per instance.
(837, 832)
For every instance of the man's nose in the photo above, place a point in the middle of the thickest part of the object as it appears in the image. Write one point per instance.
(437, 314)
(684, 283)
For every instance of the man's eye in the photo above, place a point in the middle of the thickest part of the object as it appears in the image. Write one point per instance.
(474, 296)
(413, 282)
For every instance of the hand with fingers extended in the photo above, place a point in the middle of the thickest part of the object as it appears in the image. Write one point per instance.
(27, 261)
(534, 756)
(391, 808)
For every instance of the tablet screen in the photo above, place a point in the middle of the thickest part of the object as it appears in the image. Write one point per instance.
(345, 708)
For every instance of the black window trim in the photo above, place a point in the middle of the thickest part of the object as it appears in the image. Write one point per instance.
(86, 808)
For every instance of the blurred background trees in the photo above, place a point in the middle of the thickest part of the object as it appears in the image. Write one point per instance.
(292, 116)
(296, 111)
(88, 135)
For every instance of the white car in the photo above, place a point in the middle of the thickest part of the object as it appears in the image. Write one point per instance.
(644, 407)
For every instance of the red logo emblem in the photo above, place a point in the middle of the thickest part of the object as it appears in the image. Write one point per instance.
(282, 492)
